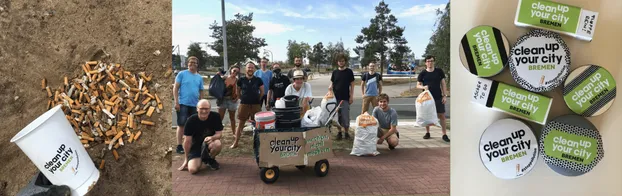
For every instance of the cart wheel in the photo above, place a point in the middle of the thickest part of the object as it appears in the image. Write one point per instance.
(301, 166)
(269, 175)
(321, 168)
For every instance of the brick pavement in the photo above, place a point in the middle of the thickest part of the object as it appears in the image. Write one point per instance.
(417, 167)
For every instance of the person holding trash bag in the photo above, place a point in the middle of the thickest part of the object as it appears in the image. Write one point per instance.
(278, 84)
(387, 122)
(433, 80)
(342, 85)
(202, 139)
(187, 92)
(229, 102)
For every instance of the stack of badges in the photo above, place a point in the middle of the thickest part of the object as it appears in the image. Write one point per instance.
(540, 61)
(571, 145)
(589, 90)
(484, 51)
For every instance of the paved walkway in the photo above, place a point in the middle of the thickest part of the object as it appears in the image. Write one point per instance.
(416, 167)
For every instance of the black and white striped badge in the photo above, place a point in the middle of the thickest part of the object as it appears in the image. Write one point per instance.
(589, 90)
(484, 51)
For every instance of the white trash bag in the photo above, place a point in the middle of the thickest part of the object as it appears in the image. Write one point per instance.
(365, 136)
(426, 110)
(312, 118)
(329, 105)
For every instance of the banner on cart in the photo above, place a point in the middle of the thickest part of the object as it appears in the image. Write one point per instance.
(294, 148)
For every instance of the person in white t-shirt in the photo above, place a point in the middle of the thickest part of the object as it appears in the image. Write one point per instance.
(301, 89)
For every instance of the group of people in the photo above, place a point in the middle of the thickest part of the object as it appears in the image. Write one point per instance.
(199, 130)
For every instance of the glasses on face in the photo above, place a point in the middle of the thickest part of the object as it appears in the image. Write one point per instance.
(203, 109)
(429, 61)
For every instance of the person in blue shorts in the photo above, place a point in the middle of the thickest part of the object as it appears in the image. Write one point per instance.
(187, 92)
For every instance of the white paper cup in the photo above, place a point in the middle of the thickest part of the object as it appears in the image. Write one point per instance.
(52, 145)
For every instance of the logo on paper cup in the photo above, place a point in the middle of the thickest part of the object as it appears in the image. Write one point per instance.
(60, 161)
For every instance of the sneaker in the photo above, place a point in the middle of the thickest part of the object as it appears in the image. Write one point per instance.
(426, 136)
(347, 136)
(391, 147)
(445, 138)
(180, 150)
(339, 136)
(213, 164)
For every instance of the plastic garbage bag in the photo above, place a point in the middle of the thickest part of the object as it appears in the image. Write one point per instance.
(426, 110)
(217, 87)
(365, 136)
(312, 118)
(40, 185)
(329, 106)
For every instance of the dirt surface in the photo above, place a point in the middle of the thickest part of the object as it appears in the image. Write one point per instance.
(50, 39)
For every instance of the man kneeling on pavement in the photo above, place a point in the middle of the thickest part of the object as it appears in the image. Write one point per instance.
(387, 121)
(202, 142)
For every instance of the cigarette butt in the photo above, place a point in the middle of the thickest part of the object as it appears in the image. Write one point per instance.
(91, 139)
(116, 155)
(108, 108)
(134, 90)
(76, 111)
(130, 138)
(146, 122)
(137, 135)
(43, 83)
(49, 104)
(91, 63)
(85, 69)
(131, 120)
(116, 102)
(49, 91)
(101, 87)
(101, 165)
(127, 132)
(160, 106)
(136, 98)
(119, 134)
(146, 100)
(81, 117)
(140, 112)
(110, 133)
(168, 72)
(106, 142)
(105, 96)
(93, 72)
(78, 86)
(149, 95)
(157, 98)
(84, 141)
(108, 113)
(116, 145)
(100, 78)
(150, 111)
(121, 142)
(100, 132)
(542, 80)
(66, 81)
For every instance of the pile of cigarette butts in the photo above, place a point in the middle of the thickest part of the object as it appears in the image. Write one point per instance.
(106, 104)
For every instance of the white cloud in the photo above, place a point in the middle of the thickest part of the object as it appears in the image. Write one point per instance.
(246, 9)
(309, 7)
(425, 11)
(326, 11)
(191, 28)
(269, 28)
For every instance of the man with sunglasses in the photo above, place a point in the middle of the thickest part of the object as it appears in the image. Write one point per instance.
(202, 139)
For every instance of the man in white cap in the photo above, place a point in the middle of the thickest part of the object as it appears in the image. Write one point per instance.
(301, 89)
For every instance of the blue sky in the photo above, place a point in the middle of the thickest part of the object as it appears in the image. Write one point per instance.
(310, 21)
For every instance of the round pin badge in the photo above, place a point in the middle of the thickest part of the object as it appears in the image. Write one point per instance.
(571, 145)
(589, 90)
(484, 51)
(539, 61)
(508, 148)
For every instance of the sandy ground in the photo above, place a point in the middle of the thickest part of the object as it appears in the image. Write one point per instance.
(49, 39)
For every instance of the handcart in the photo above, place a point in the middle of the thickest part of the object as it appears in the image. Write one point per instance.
(299, 147)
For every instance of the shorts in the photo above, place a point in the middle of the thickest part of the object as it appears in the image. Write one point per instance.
(246, 111)
(382, 131)
(192, 154)
(367, 100)
(440, 107)
(344, 113)
(184, 113)
(227, 104)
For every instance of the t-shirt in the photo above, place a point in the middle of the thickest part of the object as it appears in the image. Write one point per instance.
(249, 93)
(190, 86)
(385, 119)
(305, 91)
(199, 129)
(371, 83)
(290, 74)
(433, 81)
(342, 79)
(265, 78)
(278, 84)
